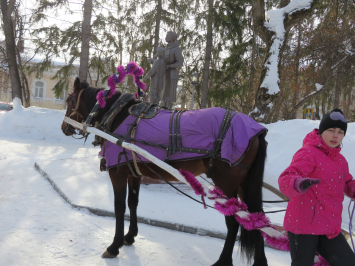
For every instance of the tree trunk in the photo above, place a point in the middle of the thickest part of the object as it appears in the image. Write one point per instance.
(11, 59)
(206, 67)
(296, 92)
(85, 41)
(317, 116)
(264, 102)
(157, 26)
(337, 91)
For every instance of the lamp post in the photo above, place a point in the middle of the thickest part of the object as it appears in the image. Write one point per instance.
(194, 82)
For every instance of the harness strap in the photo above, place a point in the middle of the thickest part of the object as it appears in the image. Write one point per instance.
(133, 132)
(75, 111)
(179, 141)
(175, 133)
(218, 143)
(168, 150)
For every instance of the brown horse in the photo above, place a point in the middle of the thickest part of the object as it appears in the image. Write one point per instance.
(230, 180)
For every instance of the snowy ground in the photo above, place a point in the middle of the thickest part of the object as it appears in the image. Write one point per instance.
(39, 228)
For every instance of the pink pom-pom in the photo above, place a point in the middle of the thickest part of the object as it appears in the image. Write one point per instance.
(112, 85)
(121, 73)
(100, 98)
(140, 84)
(131, 67)
(138, 72)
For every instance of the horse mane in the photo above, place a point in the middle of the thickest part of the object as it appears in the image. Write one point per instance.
(91, 93)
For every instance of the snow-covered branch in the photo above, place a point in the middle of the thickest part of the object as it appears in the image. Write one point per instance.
(276, 24)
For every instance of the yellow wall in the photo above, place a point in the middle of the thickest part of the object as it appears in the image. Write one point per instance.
(48, 100)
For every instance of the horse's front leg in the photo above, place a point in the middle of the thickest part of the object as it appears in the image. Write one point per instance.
(119, 183)
(133, 195)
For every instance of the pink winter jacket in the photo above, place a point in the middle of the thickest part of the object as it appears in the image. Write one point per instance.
(317, 211)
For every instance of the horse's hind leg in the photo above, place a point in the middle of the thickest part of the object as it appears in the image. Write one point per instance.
(133, 195)
(119, 183)
(225, 259)
(228, 179)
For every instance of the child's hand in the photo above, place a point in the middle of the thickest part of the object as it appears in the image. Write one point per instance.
(304, 184)
(350, 190)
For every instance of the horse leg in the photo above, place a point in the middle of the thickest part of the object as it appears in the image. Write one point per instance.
(119, 183)
(228, 179)
(259, 254)
(133, 195)
(225, 259)
(252, 242)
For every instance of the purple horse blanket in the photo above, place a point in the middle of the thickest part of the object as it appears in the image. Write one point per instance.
(198, 128)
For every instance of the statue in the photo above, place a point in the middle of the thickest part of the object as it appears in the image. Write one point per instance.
(157, 77)
(173, 60)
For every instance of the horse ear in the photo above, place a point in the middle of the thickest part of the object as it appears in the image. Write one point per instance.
(77, 85)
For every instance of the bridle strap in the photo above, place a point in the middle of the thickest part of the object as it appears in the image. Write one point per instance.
(75, 111)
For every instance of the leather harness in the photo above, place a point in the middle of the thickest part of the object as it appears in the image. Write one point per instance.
(144, 110)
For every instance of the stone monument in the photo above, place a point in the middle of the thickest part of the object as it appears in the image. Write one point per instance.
(157, 77)
(174, 60)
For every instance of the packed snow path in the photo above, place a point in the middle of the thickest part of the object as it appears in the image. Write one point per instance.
(39, 228)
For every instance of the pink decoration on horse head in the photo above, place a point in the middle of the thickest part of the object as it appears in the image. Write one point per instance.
(132, 69)
(100, 98)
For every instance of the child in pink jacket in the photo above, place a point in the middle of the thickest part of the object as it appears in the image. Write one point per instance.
(316, 182)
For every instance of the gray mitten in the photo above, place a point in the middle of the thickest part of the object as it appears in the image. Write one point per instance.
(304, 184)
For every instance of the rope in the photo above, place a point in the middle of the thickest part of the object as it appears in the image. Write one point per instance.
(350, 223)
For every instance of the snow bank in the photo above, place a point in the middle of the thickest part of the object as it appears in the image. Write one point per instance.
(33, 123)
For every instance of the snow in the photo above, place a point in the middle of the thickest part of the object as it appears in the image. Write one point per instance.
(39, 228)
(275, 24)
(319, 86)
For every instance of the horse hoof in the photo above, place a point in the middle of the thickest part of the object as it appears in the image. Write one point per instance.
(126, 243)
(107, 255)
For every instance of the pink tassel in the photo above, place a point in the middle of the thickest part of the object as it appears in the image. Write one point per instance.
(191, 179)
(254, 221)
(228, 208)
(218, 193)
(203, 201)
(279, 243)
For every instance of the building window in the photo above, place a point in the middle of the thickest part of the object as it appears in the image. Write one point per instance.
(39, 85)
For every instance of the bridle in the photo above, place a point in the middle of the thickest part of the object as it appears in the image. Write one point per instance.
(75, 111)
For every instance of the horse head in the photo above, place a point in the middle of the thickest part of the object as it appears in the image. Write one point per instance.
(76, 108)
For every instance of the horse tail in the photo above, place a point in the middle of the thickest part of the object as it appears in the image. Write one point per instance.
(252, 196)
